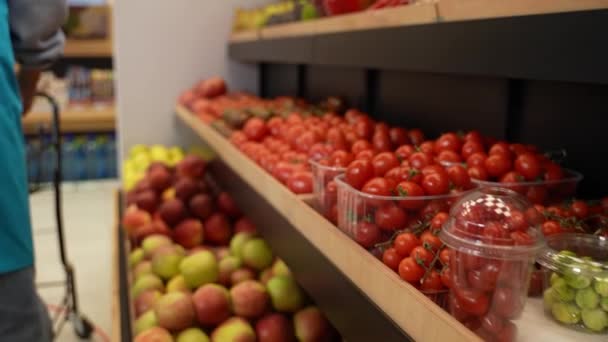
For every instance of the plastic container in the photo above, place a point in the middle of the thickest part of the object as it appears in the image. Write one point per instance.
(576, 288)
(358, 212)
(325, 190)
(542, 192)
(494, 247)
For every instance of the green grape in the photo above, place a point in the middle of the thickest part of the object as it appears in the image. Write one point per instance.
(562, 291)
(587, 299)
(595, 319)
(577, 280)
(567, 253)
(554, 277)
(604, 303)
(566, 313)
(549, 298)
(601, 287)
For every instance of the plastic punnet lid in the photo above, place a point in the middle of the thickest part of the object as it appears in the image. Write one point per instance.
(577, 256)
(495, 223)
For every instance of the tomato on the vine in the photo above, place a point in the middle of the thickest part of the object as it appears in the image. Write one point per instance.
(390, 217)
(432, 282)
(429, 239)
(391, 258)
(410, 271)
(404, 244)
(438, 220)
(422, 255)
(444, 256)
(580, 209)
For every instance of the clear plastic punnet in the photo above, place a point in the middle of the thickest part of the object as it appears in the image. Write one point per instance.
(495, 237)
(325, 189)
(576, 287)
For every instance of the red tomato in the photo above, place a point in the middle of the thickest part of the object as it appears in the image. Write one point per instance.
(473, 136)
(528, 165)
(473, 302)
(341, 158)
(492, 323)
(471, 147)
(508, 333)
(419, 160)
(384, 162)
(427, 147)
(358, 173)
(365, 154)
(438, 220)
(381, 127)
(432, 282)
(391, 258)
(416, 136)
(335, 138)
(390, 217)
(431, 241)
(255, 129)
(444, 256)
(404, 244)
(551, 227)
(410, 271)
(521, 238)
(459, 176)
(404, 152)
(274, 125)
(237, 138)
(436, 184)
(477, 159)
(319, 151)
(537, 194)
(501, 148)
(360, 145)
(398, 136)
(434, 168)
(300, 182)
(447, 156)
(446, 277)
(410, 189)
(518, 149)
(506, 303)
(497, 165)
(378, 186)
(580, 209)
(381, 142)
(448, 141)
(367, 234)
(422, 256)
(364, 129)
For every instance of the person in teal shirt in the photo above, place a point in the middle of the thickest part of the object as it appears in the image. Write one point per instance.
(29, 35)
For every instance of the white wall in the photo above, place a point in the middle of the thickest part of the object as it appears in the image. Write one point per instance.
(163, 47)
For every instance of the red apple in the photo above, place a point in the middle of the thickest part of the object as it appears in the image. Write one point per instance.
(201, 206)
(134, 219)
(147, 200)
(192, 167)
(160, 178)
(172, 211)
(145, 301)
(175, 311)
(249, 299)
(185, 188)
(189, 233)
(142, 185)
(154, 227)
(212, 304)
(311, 325)
(155, 334)
(274, 327)
(226, 204)
(217, 230)
(244, 224)
(241, 275)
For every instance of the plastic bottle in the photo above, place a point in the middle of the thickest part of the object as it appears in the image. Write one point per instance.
(111, 157)
(91, 151)
(68, 156)
(79, 165)
(48, 159)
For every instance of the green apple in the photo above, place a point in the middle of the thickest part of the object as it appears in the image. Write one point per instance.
(595, 319)
(280, 268)
(285, 293)
(192, 335)
(135, 257)
(199, 268)
(237, 242)
(257, 254)
(587, 299)
(166, 260)
(146, 282)
(153, 242)
(145, 321)
(234, 329)
(178, 284)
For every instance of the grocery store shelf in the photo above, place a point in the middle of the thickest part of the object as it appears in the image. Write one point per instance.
(364, 300)
(75, 119)
(79, 48)
(472, 37)
(121, 303)
(244, 36)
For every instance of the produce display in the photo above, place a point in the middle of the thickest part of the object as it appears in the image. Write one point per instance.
(200, 272)
(576, 293)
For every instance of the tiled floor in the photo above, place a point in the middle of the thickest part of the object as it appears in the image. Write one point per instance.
(88, 218)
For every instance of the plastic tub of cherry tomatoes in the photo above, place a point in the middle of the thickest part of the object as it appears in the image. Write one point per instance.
(553, 190)
(324, 188)
(494, 236)
(371, 219)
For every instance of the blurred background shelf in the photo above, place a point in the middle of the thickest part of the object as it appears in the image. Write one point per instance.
(81, 48)
(74, 119)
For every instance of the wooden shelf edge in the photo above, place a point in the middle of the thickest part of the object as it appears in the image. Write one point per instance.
(457, 10)
(406, 306)
(116, 307)
(75, 48)
(244, 36)
(74, 120)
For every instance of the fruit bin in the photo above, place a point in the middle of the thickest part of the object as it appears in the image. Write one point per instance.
(324, 190)
(543, 191)
(576, 285)
(371, 220)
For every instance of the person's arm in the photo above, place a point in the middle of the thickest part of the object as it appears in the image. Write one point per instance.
(37, 40)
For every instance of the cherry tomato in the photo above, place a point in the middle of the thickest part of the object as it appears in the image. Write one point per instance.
(381, 142)
(528, 166)
(435, 184)
(521, 238)
(422, 255)
(444, 256)
(364, 129)
(448, 141)
(537, 194)
(459, 176)
(390, 217)
(427, 147)
(367, 234)
(551, 227)
(438, 220)
(410, 271)
(446, 277)
(404, 152)
(365, 155)
(448, 157)
(391, 258)
(419, 160)
(404, 244)
(508, 332)
(492, 323)
(341, 158)
(300, 182)
(335, 138)
(473, 136)
(511, 180)
(456, 308)
(410, 189)
(358, 173)
(473, 302)
(518, 221)
(506, 303)
(255, 129)
(360, 145)
(416, 136)
(497, 165)
(553, 172)
(398, 136)
(501, 148)
(477, 159)
(432, 282)
(580, 209)
(384, 162)
(379, 186)
(431, 240)
(274, 125)
(478, 172)
(471, 147)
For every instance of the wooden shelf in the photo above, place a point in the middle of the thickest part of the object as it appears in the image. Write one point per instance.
(74, 120)
(122, 311)
(87, 48)
(364, 299)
